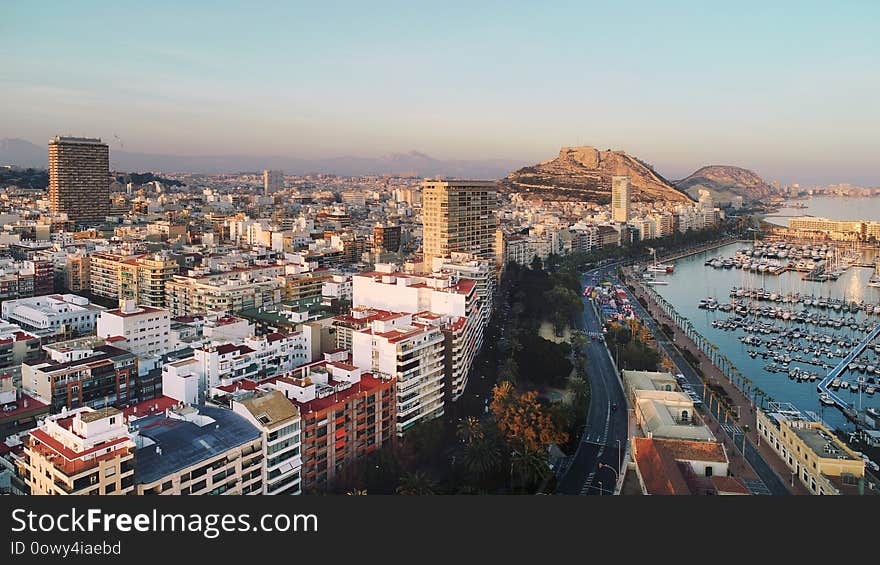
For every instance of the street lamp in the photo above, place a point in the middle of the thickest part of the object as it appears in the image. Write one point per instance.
(616, 474)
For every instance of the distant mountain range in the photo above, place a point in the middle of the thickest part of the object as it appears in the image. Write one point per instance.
(725, 183)
(26, 154)
(584, 174)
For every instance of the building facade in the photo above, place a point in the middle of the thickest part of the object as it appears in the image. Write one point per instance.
(79, 178)
(458, 216)
(620, 199)
(84, 451)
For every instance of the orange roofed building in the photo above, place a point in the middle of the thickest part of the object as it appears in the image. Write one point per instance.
(680, 467)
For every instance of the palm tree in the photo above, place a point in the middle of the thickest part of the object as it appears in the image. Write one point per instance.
(470, 430)
(482, 457)
(508, 369)
(416, 484)
(528, 466)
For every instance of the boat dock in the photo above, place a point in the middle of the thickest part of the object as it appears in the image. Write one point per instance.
(845, 407)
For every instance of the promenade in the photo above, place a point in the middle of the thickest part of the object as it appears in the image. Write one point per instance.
(746, 421)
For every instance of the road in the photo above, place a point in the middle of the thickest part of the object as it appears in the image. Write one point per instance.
(606, 429)
(770, 479)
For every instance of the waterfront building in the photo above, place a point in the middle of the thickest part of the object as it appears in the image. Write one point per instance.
(677, 467)
(837, 229)
(815, 456)
(661, 409)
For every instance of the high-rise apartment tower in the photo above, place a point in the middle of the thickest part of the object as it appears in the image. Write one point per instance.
(79, 178)
(458, 215)
(620, 199)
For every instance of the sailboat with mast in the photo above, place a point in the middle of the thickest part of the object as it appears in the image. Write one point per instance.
(656, 267)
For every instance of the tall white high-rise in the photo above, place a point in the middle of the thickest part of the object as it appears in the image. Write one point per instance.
(620, 199)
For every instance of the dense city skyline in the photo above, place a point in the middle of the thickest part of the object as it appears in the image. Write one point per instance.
(785, 93)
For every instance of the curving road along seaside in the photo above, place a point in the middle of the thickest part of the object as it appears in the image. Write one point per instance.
(592, 468)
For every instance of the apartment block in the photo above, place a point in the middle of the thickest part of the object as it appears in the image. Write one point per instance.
(131, 277)
(190, 295)
(197, 451)
(17, 345)
(77, 272)
(54, 315)
(80, 452)
(253, 358)
(346, 414)
(454, 302)
(79, 178)
(620, 199)
(411, 353)
(458, 216)
(279, 421)
(84, 372)
(143, 330)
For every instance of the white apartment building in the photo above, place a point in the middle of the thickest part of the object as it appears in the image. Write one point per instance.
(279, 421)
(189, 295)
(620, 199)
(146, 330)
(53, 315)
(482, 271)
(413, 354)
(339, 288)
(251, 358)
(454, 302)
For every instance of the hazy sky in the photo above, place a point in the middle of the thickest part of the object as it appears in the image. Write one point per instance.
(789, 89)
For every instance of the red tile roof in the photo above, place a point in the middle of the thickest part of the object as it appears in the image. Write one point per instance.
(724, 484)
(367, 385)
(149, 407)
(658, 469)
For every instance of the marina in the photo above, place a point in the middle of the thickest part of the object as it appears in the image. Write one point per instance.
(786, 329)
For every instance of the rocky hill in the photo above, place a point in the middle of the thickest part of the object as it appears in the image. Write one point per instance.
(584, 174)
(725, 182)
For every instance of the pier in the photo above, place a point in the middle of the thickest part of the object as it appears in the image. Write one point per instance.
(823, 387)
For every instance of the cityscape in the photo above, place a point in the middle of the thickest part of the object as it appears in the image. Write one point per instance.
(287, 321)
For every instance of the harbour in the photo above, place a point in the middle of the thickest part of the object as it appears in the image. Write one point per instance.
(785, 329)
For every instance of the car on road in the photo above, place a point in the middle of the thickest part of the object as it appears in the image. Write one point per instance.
(614, 407)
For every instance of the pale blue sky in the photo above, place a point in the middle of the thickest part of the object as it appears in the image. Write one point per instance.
(789, 89)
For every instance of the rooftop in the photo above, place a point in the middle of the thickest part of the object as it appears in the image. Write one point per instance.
(95, 415)
(271, 408)
(823, 444)
(185, 443)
